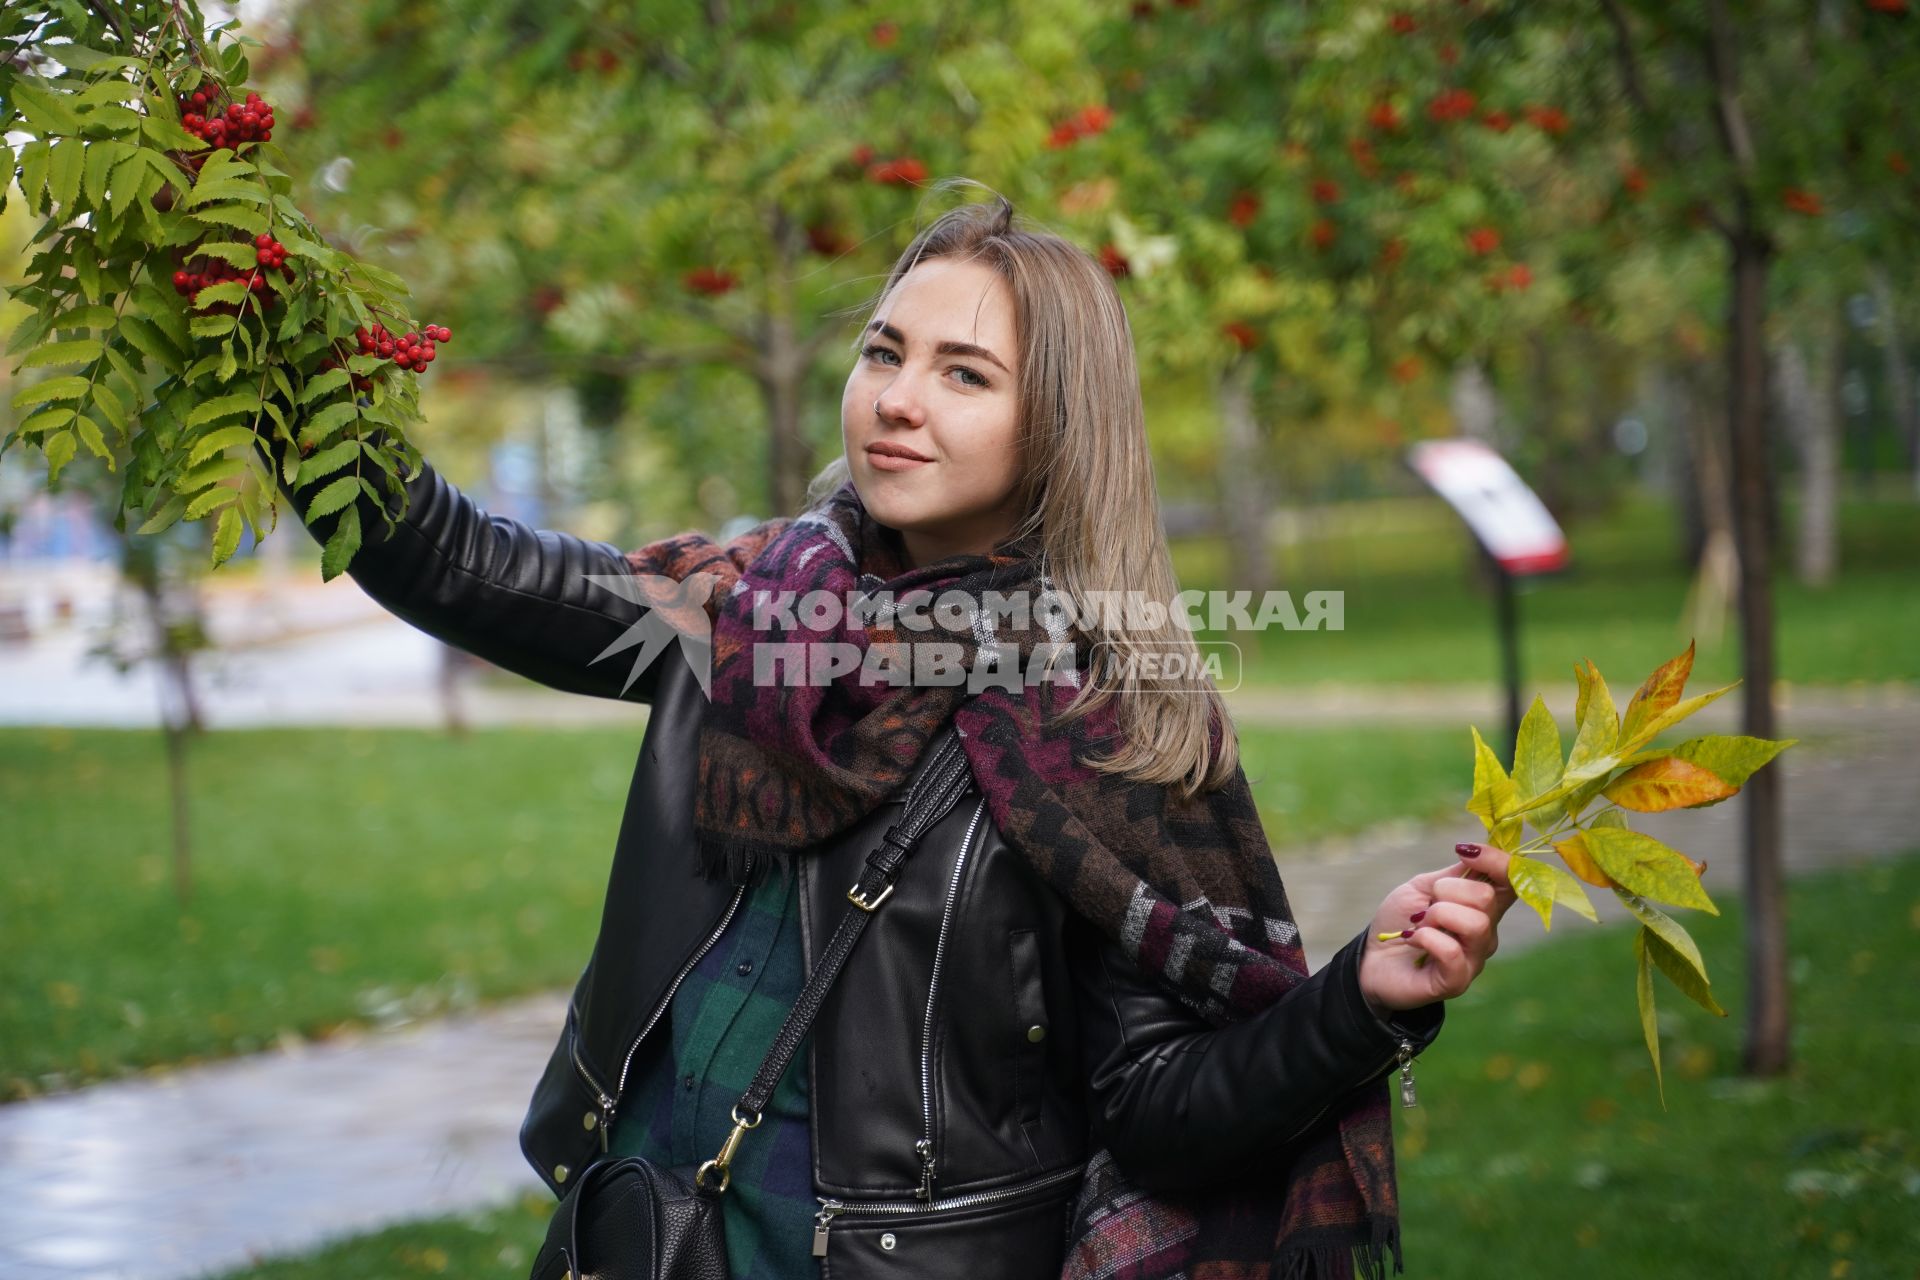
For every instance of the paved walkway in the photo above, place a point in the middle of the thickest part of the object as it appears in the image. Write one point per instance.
(167, 1178)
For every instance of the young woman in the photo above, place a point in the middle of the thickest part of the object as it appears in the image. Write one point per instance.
(1078, 1036)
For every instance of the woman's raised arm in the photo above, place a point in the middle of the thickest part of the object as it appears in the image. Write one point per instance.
(1181, 1104)
(522, 598)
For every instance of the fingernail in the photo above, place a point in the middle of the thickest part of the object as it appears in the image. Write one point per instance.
(1415, 917)
(1467, 850)
(1406, 933)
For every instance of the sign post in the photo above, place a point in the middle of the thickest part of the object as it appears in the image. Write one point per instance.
(1514, 529)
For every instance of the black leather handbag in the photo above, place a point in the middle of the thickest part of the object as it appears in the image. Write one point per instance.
(630, 1219)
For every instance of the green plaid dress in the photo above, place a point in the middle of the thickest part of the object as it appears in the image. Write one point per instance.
(725, 1016)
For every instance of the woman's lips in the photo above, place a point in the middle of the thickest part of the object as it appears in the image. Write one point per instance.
(893, 461)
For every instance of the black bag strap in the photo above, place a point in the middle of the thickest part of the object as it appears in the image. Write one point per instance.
(933, 794)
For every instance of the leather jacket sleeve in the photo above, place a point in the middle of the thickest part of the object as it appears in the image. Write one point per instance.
(1181, 1104)
(517, 596)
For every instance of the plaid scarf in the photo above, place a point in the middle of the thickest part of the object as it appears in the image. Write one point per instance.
(1189, 890)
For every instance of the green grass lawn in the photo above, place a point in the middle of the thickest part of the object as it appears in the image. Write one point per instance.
(1538, 1147)
(1415, 611)
(347, 876)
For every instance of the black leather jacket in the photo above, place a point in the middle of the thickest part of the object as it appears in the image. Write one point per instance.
(982, 1040)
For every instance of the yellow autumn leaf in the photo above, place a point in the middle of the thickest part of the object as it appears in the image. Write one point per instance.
(1664, 783)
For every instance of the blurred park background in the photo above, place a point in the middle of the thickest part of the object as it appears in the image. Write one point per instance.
(1660, 254)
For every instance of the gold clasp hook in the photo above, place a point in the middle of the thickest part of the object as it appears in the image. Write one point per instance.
(720, 1162)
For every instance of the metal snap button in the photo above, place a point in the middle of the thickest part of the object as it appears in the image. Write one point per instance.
(744, 968)
(887, 1241)
(590, 1121)
(560, 1173)
(1036, 1034)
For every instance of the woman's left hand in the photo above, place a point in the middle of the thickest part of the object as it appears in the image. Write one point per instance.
(1455, 922)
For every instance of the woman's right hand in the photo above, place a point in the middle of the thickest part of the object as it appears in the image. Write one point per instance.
(1453, 921)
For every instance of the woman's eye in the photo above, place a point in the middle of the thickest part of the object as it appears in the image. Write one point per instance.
(875, 351)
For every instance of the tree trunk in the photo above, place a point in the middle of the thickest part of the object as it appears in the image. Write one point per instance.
(1243, 483)
(176, 736)
(1906, 414)
(1715, 579)
(1475, 406)
(1804, 388)
(1768, 1014)
(781, 373)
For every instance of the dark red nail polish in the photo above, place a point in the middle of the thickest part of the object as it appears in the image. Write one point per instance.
(1415, 917)
(1406, 933)
(1467, 850)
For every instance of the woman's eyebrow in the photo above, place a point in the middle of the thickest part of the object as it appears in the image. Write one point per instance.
(940, 349)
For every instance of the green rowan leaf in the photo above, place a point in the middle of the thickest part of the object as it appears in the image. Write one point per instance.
(225, 291)
(325, 422)
(200, 504)
(59, 449)
(148, 340)
(321, 384)
(128, 177)
(63, 174)
(100, 159)
(335, 496)
(218, 440)
(43, 108)
(224, 192)
(47, 420)
(166, 515)
(170, 136)
(91, 316)
(86, 269)
(212, 471)
(73, 351)
(89, 432)
(35, 158)
(68, 386)
(227, 406)
(111, 405)
(234, 255)
(338, 553)
(211, 327)
(112, 119)
(226, 536)
(326, 462)
(81, 58)
(250, 221)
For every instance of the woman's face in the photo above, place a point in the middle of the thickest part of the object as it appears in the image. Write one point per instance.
(935, 380)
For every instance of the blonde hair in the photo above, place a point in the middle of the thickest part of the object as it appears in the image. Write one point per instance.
(1088, 488)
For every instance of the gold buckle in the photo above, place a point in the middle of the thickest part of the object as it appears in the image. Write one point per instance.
(720, 1162)
(853, 896)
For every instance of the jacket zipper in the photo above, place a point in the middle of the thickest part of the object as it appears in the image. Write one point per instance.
(1403, 1055)
(924, 1147)
(609, 1104)
(831, 1208)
